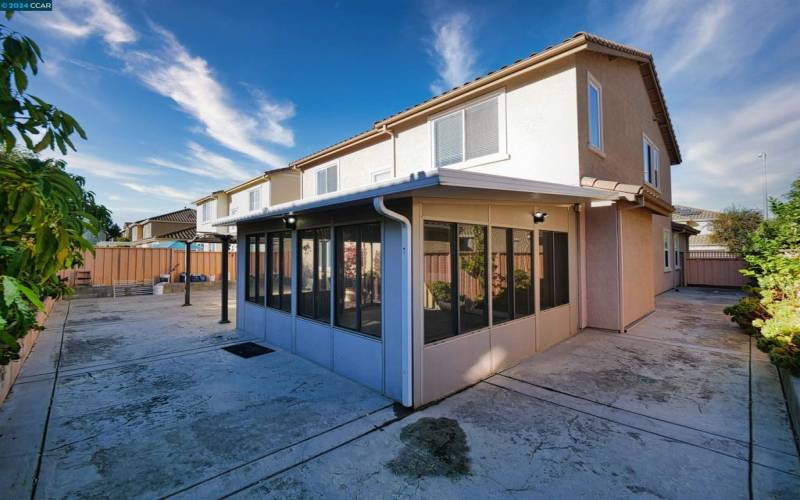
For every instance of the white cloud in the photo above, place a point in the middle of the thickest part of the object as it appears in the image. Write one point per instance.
(204, 163)
(87, 18)
(86, 164)
(723, 144)
(453, 52)
(701, 42)
(272, 115)
(161, 191)
(188, 80)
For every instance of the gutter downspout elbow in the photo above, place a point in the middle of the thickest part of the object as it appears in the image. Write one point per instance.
(406, 324)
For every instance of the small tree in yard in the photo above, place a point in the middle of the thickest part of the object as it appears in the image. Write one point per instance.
(44, 211)
(772, 311)
(733, 227)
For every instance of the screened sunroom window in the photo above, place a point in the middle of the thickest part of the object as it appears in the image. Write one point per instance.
(255, 245)
(314, 289)
(512, 274)
(469, 133)
(279, 263)
(455, 295)
(554, 269)
(358, 278)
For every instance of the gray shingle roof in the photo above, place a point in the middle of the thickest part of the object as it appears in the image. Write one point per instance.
(684, 213)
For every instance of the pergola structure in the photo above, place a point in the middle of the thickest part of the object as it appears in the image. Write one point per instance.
(225, 240)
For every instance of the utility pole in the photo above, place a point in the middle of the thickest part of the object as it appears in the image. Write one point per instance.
(763, 156)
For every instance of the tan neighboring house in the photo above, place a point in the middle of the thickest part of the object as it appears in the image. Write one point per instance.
(464, 234)
(700, 219)
(160, 229)
(274, 187)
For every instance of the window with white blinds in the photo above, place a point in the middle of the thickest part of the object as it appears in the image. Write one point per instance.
(469, 133)
(254, 198)
(481, 129)
(327, 179)
(448, 135)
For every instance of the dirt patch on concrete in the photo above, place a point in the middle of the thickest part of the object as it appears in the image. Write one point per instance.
(433, 447)
(111, 318)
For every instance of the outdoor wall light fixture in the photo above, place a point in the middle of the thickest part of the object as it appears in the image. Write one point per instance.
(290, 221)
(539, 217)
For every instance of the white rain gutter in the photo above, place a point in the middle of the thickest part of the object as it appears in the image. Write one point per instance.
(380, 207)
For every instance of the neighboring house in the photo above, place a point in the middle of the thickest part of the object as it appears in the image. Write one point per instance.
(700, 219)
(252, 196)
(163, 230)
(466, 233)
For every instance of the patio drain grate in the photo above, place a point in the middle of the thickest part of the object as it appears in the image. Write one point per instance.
(248, 349)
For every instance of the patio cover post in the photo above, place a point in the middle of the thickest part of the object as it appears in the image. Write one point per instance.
(225, 244)
(187, 286)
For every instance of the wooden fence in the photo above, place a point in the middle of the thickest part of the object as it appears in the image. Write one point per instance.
(713, 268)
(147, 264)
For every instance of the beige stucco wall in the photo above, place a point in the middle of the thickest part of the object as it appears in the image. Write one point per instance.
(602, 269)
(284, 187)
(449, 365)
(662, 279)
(627, 114)
(355, 167)
(637, 263)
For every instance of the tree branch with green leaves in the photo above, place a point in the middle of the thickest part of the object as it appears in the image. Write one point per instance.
(39, 124)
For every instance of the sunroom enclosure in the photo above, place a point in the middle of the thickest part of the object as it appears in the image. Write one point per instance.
(490, 288)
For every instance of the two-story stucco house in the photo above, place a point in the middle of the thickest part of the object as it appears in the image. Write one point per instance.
(251, 196)
(466, 233)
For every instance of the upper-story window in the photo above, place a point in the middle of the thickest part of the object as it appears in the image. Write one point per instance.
(469, 133)
(650, 157)
(327, 179)
(383, 174)
(254, 199)
(206, 212)
(595, 95)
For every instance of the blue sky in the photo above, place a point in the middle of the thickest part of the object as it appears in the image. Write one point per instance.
(181, 98)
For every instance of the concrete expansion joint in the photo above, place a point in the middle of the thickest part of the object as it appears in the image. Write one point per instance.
(644, 425)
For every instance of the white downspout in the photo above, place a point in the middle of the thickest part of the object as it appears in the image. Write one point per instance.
(407, 349)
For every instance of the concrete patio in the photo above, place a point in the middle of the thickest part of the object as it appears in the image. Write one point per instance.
(145, 403)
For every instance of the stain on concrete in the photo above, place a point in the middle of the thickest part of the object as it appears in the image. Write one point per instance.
(432, 447)
(643, 491)
(112, 318)
(85, 350)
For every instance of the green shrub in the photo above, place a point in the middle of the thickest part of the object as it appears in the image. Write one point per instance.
(772, 310)
(745, 312)
(44, 212)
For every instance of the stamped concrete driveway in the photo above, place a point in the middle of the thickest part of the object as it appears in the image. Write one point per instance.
(146, 404)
